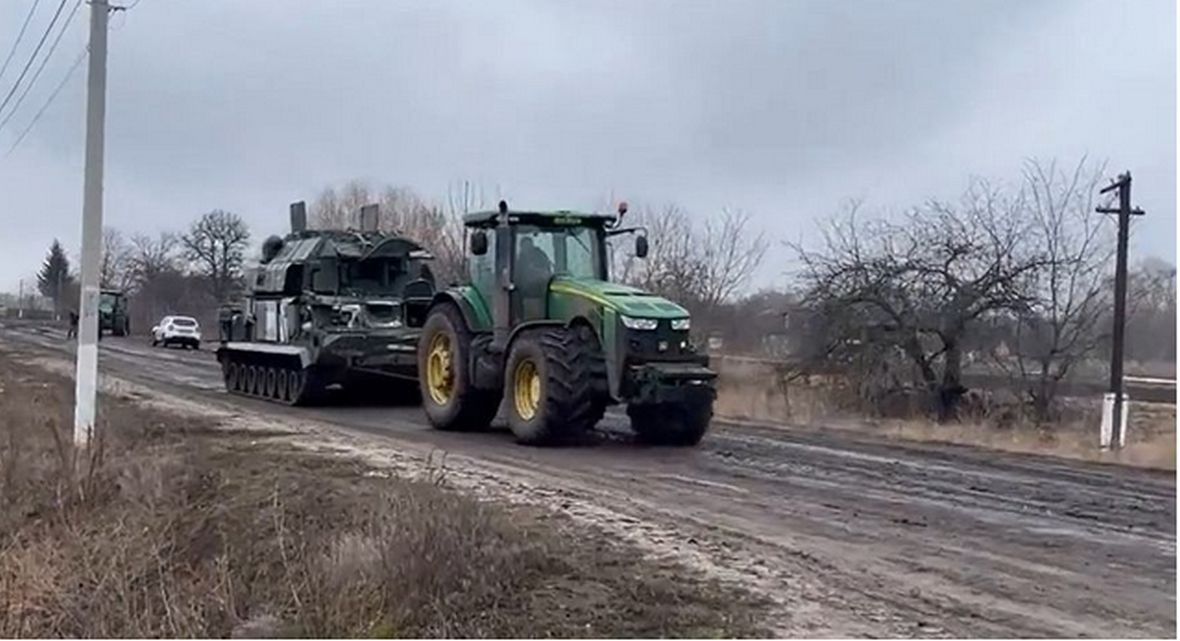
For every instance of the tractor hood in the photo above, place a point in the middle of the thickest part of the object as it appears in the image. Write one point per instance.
(623, 299)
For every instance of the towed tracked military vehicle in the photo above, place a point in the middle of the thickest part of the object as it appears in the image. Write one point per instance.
(328, 309)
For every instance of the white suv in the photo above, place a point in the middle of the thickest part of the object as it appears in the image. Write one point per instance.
(179, 330)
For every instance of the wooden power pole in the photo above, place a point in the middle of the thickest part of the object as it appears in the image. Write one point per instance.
(1124, 213)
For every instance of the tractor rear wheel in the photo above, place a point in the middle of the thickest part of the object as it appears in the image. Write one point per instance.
(679, 424)
(549, 387)
(444, 374)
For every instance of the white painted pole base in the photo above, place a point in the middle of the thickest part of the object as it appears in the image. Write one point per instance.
(1104, 432)
(85, 391)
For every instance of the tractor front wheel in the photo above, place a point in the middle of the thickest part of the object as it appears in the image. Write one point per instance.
(679, 424)
(444, 351)
(549, 388)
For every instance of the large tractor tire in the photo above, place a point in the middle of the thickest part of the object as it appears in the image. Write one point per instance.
(549, 387)
(682, 425)
(444, 352)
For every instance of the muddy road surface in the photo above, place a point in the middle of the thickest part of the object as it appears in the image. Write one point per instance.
(850, 536)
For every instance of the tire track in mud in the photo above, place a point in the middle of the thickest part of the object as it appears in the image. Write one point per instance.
(853, 537)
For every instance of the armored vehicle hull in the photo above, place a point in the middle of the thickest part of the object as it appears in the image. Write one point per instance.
(328, 311)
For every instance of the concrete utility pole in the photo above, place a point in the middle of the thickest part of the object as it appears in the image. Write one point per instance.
(86, 378)
(1124, 211)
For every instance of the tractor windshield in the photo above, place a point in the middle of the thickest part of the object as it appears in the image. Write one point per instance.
(106, 303)
(569, 251)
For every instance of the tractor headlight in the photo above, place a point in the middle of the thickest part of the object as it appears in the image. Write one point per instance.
(639, 323)
(681, 324)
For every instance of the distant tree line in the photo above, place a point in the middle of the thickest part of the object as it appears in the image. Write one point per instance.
(187, 272)
(1014, 278)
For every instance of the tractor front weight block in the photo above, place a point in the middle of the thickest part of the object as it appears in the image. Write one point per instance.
(674, 383)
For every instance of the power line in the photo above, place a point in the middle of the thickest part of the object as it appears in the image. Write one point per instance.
(57, 90)
(37, 74)
(21, 34)
(61, 5)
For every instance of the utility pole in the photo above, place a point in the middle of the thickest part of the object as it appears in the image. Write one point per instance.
(20, 300)
(1124, 212)
(86, 378)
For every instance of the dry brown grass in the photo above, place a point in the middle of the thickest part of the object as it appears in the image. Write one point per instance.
(1154, 448)
(755, 392)
(177, 529)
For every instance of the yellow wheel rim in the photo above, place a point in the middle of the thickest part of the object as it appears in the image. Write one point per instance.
(440, 370)
(526, 386)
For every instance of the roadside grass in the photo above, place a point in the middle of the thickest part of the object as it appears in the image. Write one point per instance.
(750, 393)
(171, 527)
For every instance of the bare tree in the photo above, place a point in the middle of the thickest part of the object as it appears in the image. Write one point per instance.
(730, 255)
(914, 286)
(160, 285)
(115, 269)
(438, 228)
(1151, 315)
(151, 257)
(215, 246)
(699, 265)
(1066, 318)
(673, 265)
(337, 209)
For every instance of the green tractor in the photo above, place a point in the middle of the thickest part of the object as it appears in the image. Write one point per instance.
(540, 327)
(112, 313)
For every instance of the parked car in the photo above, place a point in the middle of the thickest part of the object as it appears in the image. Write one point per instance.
(177, 330)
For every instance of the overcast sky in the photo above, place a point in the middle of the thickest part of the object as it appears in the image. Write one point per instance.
(782, 108)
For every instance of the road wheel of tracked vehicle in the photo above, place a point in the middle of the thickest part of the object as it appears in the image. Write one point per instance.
(298, 387)
(682, 424)
(548, 386)
(270, 380)
(282, 391)
(444, 353)
(232, 372)
(251, 380)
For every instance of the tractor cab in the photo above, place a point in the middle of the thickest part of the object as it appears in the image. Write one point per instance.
(543, 248)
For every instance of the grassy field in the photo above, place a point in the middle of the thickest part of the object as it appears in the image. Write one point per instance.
(755, 392)
(173, 527)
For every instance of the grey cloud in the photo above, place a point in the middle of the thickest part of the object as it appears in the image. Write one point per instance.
(779, 108)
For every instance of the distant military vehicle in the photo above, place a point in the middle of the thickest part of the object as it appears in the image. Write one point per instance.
(328, 308)
(112, 313)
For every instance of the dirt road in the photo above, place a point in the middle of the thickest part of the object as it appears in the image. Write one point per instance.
(853, 537)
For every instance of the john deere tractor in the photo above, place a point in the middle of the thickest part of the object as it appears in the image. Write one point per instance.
(540, 327)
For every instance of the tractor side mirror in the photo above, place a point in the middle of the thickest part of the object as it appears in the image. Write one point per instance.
(641, 246)
(479, 243)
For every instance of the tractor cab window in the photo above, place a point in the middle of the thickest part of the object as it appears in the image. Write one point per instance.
(534, 255)
(542, 252)
(106, 303)
(581, 255)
